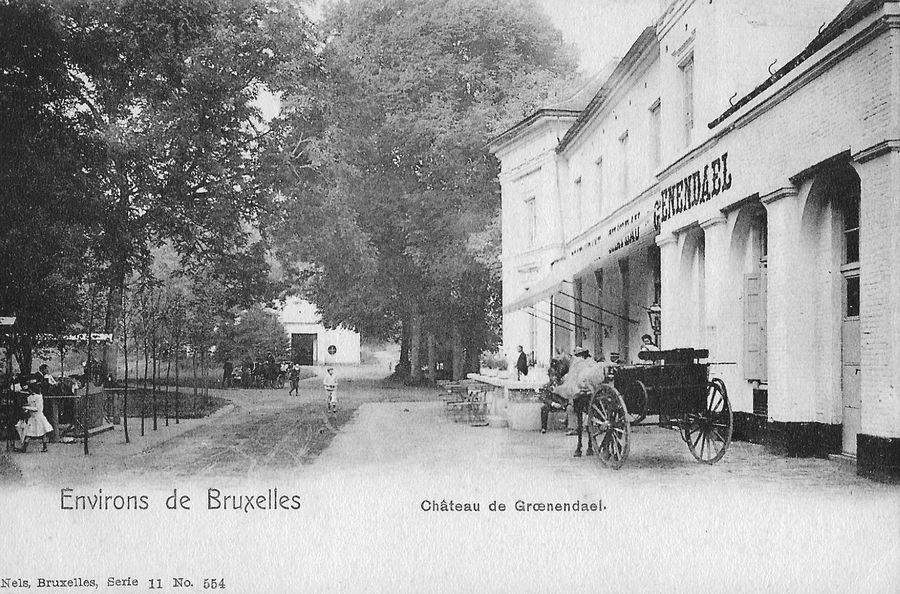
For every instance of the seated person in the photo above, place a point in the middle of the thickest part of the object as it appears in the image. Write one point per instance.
(45, 374)
(647, 345)
(36, 424)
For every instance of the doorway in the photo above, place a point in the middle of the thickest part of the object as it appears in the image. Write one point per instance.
(850, 327)
(850, 364)
(303, 348)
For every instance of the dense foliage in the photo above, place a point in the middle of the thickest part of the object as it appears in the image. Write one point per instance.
(131, 128)
(394, 194)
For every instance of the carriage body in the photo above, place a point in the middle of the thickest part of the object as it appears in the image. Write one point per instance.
(674, 386)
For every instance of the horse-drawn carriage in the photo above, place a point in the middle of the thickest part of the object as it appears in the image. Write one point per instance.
(675, 388)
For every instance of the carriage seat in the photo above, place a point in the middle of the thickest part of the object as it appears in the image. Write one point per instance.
(675, 356)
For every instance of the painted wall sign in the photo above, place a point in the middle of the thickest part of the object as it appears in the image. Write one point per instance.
(697, 188)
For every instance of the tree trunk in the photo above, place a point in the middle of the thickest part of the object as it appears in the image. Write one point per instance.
(177, 362)
(23, 352)
(125, 352)
(155, 348)
(473, 354)
(144, 391)
(87, 386)
(194, 370)
(117, 230)
(415, 345)
(168, 377)
(459, 354)
(110, 355)
(204, 361)
(403, 363)
(432, 363)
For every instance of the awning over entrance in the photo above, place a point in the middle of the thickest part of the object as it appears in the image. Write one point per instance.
(620, 234)
(630, 228)
(542, 289)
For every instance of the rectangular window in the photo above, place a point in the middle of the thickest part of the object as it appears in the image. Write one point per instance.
(851, 231)
(852, 310)
(687, 85)
(579, 204)
(531, 221)
(655, 140)
(579, 320)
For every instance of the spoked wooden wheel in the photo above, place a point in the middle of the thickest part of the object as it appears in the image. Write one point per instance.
(708, 433)
(635, 396)
(609, 429)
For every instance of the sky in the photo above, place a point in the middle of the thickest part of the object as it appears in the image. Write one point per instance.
(601, 29)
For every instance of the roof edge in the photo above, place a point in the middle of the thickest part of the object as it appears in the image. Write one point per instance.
(645, 41)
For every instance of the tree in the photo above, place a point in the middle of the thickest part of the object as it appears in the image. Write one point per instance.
(390, 175)
(49, 161)
(255, 333)
(173, 90)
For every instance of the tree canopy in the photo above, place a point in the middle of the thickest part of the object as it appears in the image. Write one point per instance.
(394, 193)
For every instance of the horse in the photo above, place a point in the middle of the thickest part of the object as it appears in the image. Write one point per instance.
(578, 383)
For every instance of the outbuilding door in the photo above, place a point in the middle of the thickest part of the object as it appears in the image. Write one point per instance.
(303, 348)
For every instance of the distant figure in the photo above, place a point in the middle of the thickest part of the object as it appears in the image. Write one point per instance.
(36, 425)
(295, 380)
(330, 383)
(227, 370)
(521, 364)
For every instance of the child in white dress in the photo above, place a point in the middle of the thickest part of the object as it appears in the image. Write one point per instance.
(36, 425)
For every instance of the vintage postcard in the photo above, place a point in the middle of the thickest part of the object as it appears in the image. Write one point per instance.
(450, 296)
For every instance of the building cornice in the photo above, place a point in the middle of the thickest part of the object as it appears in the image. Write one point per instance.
(541, 116)
(781, 85)
(876, 150)
(774, 95)
(671, 15)
(775, 196)
(527, 167)
(642, 54)
(718, 219)
(666, 239)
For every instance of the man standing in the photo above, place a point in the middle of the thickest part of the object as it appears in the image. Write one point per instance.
(521, 364)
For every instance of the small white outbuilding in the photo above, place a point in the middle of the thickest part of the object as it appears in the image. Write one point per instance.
(311, 342)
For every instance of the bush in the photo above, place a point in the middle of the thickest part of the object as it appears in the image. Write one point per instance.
(494, 361)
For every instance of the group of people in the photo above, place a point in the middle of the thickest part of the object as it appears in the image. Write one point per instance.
(568, 400)
(292, 372)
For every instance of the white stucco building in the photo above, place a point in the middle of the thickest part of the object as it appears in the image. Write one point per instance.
(740, 167)
(311, 342)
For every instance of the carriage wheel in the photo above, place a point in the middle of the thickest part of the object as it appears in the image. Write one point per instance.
(708, 433)
(636, 397)
(608, 426)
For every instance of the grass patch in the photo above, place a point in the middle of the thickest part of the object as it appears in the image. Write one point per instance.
(183, 403)
(9, 472)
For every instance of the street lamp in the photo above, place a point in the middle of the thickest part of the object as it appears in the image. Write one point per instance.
(654, 312)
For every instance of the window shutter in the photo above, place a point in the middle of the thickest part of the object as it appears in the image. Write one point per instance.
(753, 333)
(763, 326)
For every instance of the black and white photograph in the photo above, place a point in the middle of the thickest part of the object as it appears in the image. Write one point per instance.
(450, 296)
